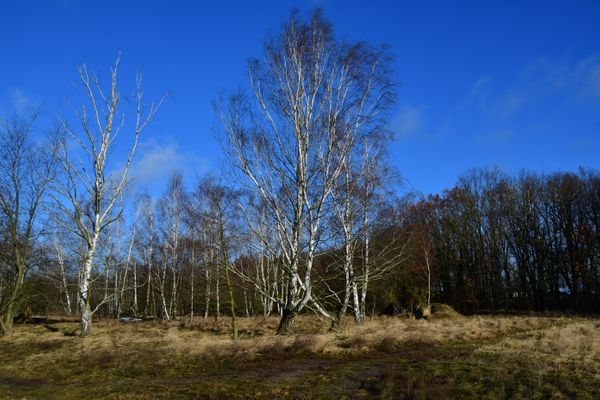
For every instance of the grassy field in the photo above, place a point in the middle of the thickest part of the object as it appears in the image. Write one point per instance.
(449, 356)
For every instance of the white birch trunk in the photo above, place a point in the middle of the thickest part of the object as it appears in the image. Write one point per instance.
(193, 267)
(84, 286)
(207, 292)
(135, 290)
(63, 274)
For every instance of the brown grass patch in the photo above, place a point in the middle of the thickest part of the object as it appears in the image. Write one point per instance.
(158, 351)
(566, 342)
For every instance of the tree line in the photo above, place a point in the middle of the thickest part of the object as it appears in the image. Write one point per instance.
(304, 217)
(525, 242)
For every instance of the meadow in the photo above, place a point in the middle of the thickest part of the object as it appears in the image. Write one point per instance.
(447, 356)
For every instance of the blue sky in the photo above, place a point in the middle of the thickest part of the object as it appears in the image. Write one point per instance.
(514, 84)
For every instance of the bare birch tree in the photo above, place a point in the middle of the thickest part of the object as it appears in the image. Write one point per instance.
(311, 97)
(61, 261)
(217, 214)
(90, 194)
(129, 260)
(171, 207)
(346, 215)
(146, 243)
(25, 171)
(373, 179)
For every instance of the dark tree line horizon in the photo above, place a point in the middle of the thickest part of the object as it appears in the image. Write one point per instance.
(524, 242)
(496, 242)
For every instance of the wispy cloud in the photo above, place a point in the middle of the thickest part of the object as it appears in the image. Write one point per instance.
(544, 78)
(156, 161)
(580, 77)
(511, 103)
(575, 80)
(494, 138)
(20, 102)
(499, 102)
(586, 75)
(480, 91)
(408, 121)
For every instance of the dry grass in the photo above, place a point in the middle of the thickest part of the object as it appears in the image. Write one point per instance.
(211, 339)
(568, 343)
(163, 353)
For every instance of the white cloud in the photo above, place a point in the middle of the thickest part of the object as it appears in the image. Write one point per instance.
(156, 161)
(575, 79)
(511, 103)
(481, 86)
(541, 79)
(408, 121)
(20, 101)
(496, 137)
(581, 77)
(480, 92)
(587, 77)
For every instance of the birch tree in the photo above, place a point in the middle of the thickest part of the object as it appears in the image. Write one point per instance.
(267, 268)
(146, 243)
(373, 195)
(218, 214)
(171, 215)
(309, 99)
(198, 248)
(346, 218)
(129, 260)
(25, 172)
(62, 279)
(90, 193)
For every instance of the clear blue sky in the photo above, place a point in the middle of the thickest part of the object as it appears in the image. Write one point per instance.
(510, 83)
